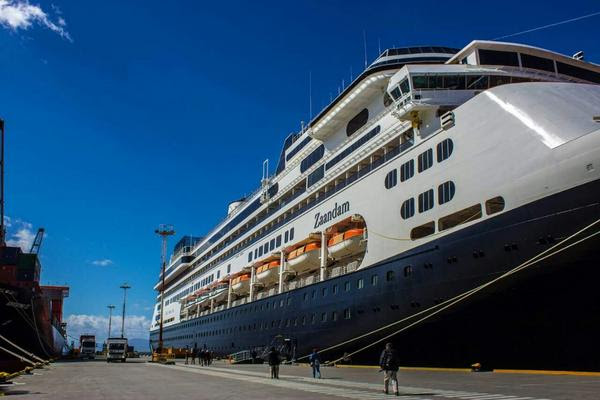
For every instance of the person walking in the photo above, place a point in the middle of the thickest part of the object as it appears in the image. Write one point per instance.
(274, 361)
(315, 362)
(187, 355)
(389, 363)
(194, 354)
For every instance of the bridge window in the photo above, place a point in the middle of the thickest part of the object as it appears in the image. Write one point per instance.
(407, 170)
(422, 231)
(425, 160)
(446, 192)
(357, 122)
(426, 201)
(494, 205)
(391, 179)
(408, 208)
(477, 82)
(444, 149)
(496, 57)
(529, 61)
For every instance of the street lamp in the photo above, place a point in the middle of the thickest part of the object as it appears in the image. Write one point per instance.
(110, 309)
(164, 231)
(124, 286)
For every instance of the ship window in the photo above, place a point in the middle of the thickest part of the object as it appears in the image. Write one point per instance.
(444, 149)
(391, 179)
(408, 270)
(408, 208)
(266, 248)
(425, 160)
(314, 294)
(289, 301)
(454, 82)
(324, 292)
(404, 86)
(260, 251)
(577, 72)
(357, 122)
(477, 82)
(387, 100)
(312, 158)
(529, 61)
(334, 316)
(249, 256)
(422, 231)
(419, 82)
(315, 176)
(272, 244)
(347, 314)
(219, 273)
(228, 268)
(407, 170)
(278, 241)
(497, 80)
(304, 320)
(347, 286)
(285, 237)
(494, 205)
(255, 253)
(374, 279)
(396, 94)
(305, 296)
(292, 234)
(389, 276)
(426, 200)
(446, 192)
(324, 317)
(334, 289)
(460, 217)
(360, 283)
(495, 57)
(313, 318)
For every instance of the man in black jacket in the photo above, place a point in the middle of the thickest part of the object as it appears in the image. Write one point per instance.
(274, 361)
(389, 363)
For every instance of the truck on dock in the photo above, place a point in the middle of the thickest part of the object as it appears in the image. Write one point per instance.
(87, 346)
(117, 349)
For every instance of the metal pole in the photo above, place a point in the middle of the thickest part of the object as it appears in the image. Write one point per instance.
(323, 256)
(281, 270)
(110, 308)
(164, 231)
(2, 227)
(124, 286)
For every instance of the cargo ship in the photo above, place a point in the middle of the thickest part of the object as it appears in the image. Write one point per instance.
(30, 313)
(448, 200)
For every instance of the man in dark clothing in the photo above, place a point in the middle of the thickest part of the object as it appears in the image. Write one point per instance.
(274, 361)
(315, 362)
(389, 363)
(194, 354)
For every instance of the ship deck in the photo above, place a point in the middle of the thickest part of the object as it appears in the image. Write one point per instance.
(140, 379)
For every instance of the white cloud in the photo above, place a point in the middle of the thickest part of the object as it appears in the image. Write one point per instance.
(19, 14)
(22, 234)
(136, 326)
(105, 262)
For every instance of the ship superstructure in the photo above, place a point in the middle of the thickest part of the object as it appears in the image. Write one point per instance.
(434, 172)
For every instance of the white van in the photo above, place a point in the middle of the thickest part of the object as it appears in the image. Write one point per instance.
(117, 349)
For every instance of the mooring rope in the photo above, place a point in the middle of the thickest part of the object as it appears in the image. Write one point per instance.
(455, 300)
(23, 350)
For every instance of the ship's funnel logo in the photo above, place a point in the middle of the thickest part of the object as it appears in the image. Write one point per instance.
(337, 210)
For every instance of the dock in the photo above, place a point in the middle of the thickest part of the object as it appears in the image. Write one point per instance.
(140, 379)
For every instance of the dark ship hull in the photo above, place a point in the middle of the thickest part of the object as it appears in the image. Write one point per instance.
(545, 316)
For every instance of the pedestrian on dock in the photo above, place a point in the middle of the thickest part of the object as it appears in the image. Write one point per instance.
(315, 362)
(274, 361)
(389, 364)
(194, 354)
(187, 355)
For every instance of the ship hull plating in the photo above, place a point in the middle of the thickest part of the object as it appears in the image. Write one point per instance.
(545, 316)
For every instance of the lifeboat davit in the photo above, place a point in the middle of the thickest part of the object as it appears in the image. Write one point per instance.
(347, 243)
(268, 273)
(219, 293)
(305, 258)
(241, 284)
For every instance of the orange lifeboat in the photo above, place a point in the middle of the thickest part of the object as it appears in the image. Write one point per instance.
(268, 273)
(241, 284)
(347, 243)
(305, 258)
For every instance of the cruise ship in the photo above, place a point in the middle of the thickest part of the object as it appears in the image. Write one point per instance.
(447, 200)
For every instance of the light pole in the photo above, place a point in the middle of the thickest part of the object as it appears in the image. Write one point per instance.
(124, 286)
(110, 308)
(164, 231)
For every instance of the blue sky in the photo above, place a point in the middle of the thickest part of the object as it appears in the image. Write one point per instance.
(123, 115)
